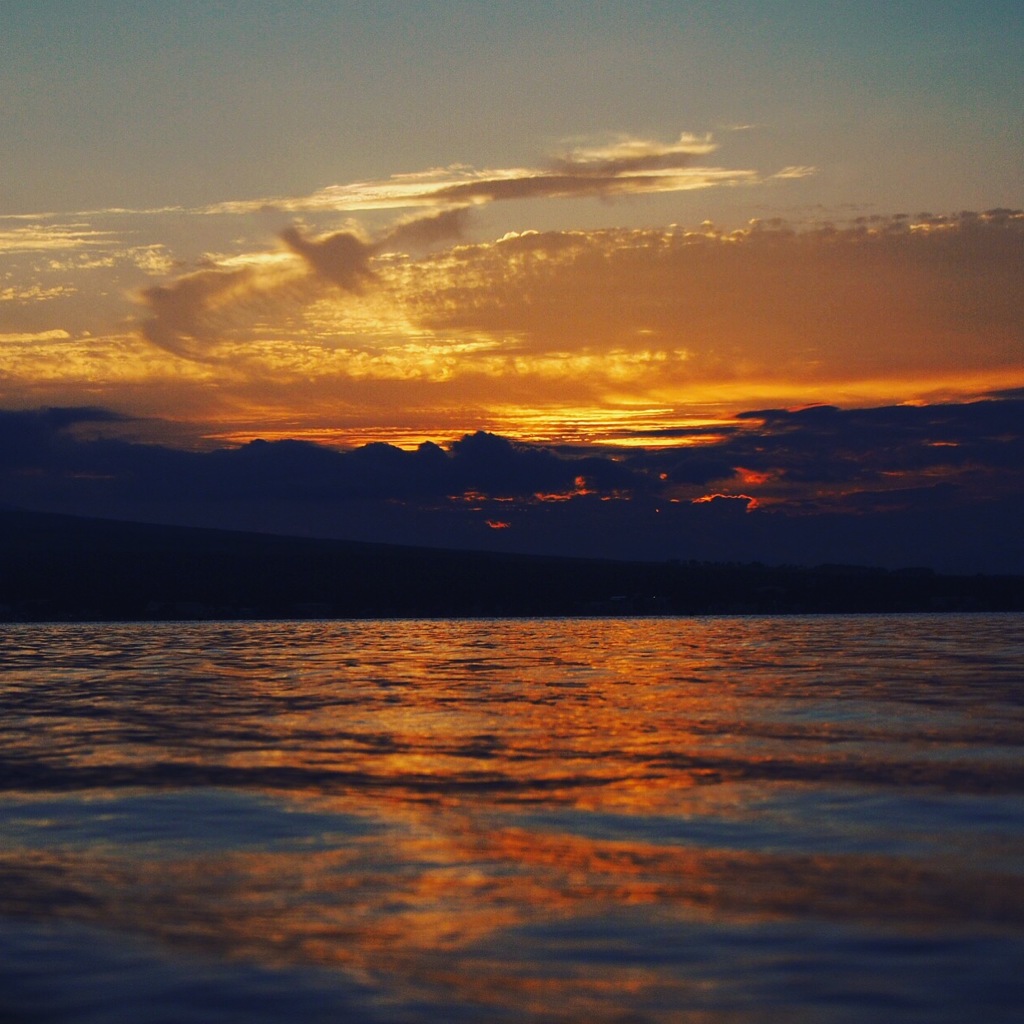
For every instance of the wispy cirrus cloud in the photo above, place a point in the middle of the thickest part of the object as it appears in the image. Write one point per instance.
(623, 166)
(44, 238)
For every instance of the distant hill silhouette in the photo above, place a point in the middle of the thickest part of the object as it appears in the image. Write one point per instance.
(55, 567)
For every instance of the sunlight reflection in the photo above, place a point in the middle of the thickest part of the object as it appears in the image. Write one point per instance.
(487, 813)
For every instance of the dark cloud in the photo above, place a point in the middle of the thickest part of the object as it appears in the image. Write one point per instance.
(498, 467)
(936, 485)
(428, 230)
(599, 175)
(542, 185)
(823, 443)
(185, 311)
(30, 439)
(343, 258)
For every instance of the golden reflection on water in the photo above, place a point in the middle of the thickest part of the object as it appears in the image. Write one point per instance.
(437, 902)
(439, 703)
(537, 798)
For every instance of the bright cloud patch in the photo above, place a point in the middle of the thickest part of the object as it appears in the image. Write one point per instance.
(881, 309)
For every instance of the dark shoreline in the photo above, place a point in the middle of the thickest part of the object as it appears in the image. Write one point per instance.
(62, 568)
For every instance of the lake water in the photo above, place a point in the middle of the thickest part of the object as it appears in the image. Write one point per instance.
(713, 820)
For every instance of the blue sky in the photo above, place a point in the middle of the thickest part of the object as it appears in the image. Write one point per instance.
(900, 106)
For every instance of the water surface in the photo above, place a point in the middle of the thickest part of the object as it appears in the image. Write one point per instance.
(715, 819)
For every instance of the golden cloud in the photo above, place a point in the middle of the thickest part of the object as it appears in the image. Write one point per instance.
(890, 297)
(195, 313)
(623, 166)
(626, 321)
(52, 238)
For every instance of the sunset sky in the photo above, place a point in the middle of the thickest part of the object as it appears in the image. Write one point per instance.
(645, 242)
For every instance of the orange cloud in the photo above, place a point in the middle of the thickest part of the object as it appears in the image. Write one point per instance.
(751, 476)
(636, 327)
(888, 299)
(564, 335)
(750, 502)
(198, 310)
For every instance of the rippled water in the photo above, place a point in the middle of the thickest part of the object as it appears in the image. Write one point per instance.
(714, 820)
